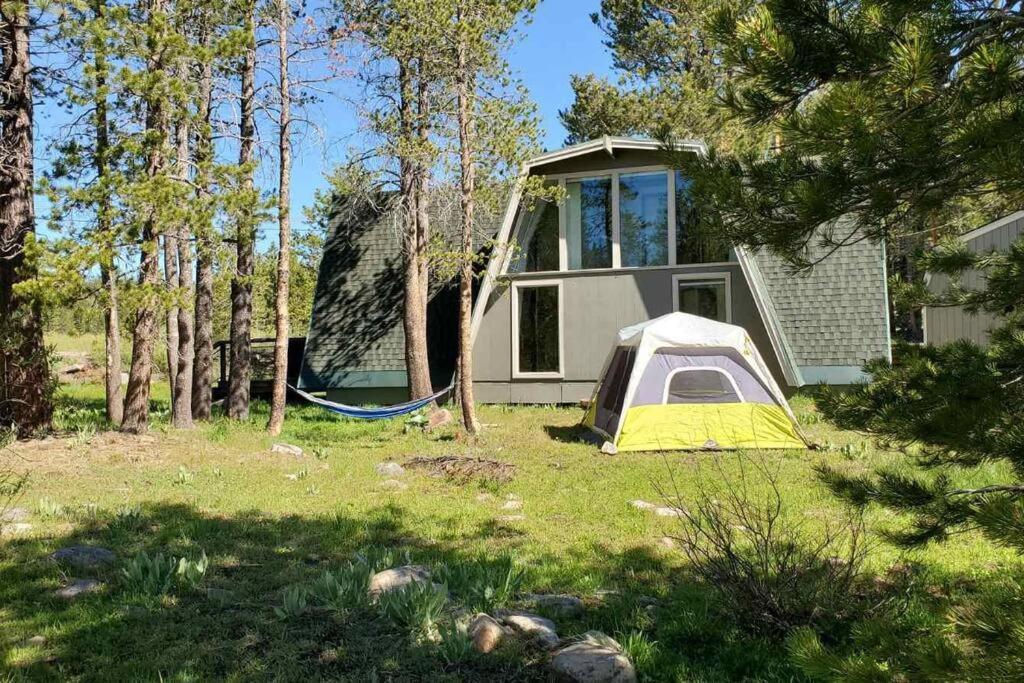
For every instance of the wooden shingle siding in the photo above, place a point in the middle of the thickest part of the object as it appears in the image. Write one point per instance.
(945, 324)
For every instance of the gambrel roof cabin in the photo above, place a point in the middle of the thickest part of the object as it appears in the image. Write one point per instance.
(622, 248)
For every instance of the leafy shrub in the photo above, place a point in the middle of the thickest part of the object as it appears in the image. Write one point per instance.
(190, 573)
(50, 509)
(343, 589)
(640, 649)
(155, 575)
(484, 585)
(455, 644)
(772, 573)
(293, 603)
(416, 606)
(150, 575)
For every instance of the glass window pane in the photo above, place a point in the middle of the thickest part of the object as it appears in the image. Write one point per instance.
(538, 240)
(538, 329)
(643, 219)
(692, 244)
(706, 299)
(700, 386)
(588, 223)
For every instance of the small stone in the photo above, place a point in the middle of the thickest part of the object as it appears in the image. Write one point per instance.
(642, 505)
(439, 418)
(533, 627)
(390, 579)
(390, 469)
(667, 512)
(511, 518)
(286, 449)
(74, 369)
(484, 497)
(512, 505)
(38, 641)
(394, 485)
(596, 658)
(14, 514)
(78, 587)
(560, 605)
(608, 448)
(15, 529)
(84, 556)
(667, 542)
(486, 633)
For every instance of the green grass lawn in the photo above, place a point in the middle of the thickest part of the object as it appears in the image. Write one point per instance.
(268, 521)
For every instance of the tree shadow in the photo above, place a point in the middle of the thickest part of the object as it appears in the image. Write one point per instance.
(576, 433)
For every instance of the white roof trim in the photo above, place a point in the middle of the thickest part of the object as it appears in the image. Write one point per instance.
(610, 143)
(766, 308)
(994, 225)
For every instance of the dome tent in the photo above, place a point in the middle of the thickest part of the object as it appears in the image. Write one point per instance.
(682, 382)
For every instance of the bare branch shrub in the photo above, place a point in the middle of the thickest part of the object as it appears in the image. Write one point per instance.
(774, 572)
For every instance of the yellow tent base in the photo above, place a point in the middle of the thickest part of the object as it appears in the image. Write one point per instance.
(688, 426)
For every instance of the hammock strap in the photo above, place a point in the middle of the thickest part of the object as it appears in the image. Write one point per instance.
(372, 413)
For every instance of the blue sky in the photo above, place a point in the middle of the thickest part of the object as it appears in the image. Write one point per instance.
(559, 42)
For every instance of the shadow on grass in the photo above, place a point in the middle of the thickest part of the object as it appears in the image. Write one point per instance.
(227, 627)
(569, 434)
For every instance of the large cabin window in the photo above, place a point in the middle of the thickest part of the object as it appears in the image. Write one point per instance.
(694, 244)
(536, 320)
(538, 239)
(643, 219)
(588, 223)
(630, 218)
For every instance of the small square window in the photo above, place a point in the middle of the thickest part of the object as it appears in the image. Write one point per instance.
(708, 298)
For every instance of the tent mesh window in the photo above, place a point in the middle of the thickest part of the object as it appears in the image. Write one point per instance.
(613, 391)
(701, 385)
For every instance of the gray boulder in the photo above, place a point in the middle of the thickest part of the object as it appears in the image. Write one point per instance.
(390, 579)
(84, 556)
(78, 587)
(286, 449)
(560, 605)
(486, 633)
(532, 627)
(390, 469)
(595, 658)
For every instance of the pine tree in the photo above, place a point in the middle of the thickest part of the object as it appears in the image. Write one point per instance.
(890, 114)
(669, 76)
(26, 386)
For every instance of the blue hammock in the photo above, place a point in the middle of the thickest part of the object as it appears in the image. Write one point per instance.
(381, 413)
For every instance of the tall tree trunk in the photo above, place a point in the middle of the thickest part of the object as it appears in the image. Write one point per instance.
(422, 194)
(466, 118)
(414, 318)
(202, 370)
(25, 383)
(136, 402)
(181, 389)
(108, 266)
(241, 284)
(170, 244)
(282, 322)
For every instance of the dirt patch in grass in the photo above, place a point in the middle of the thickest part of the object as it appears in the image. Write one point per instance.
(462, 469)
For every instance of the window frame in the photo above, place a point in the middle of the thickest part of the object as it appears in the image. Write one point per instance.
(721, 371)
(613, 174)
(713, 277)
(547, 374)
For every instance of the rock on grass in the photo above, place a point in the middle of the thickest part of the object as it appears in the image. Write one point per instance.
(84, 556)
(390, 579)
(78, 587)
(532, 627)
(595, 658)
(390, 469)
(486, 633)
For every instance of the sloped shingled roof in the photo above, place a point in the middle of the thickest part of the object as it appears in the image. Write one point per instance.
(831, 314)
(356, 322)
(355, 325)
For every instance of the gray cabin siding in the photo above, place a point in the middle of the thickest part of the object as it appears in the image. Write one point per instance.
(946, 324)
(596, 305)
